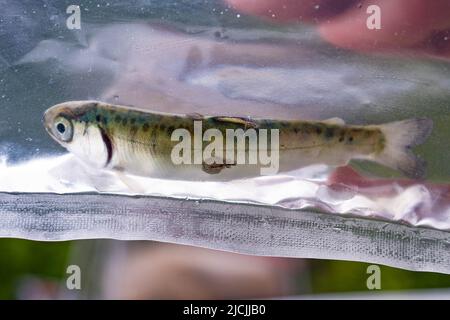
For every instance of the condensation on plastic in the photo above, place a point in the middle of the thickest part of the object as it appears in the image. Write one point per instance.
(229, 66)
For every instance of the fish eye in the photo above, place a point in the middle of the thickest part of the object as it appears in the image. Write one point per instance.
(63, 129)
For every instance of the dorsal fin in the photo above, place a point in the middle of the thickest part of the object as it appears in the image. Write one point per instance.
(247, 122)
(335, 120)
(195, 116)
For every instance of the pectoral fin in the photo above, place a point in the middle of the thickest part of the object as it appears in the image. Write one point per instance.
(129, 182)
(215, 166)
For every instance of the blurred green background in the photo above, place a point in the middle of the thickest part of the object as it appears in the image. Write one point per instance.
(24, 259)
(20, 259)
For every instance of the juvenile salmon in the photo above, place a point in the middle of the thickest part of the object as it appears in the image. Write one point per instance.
(142, 143)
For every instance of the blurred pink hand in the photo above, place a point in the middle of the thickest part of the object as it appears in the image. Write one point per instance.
(420, 26)
(414, 25)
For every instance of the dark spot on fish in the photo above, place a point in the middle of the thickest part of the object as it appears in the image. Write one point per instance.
(162, 127)
(133, 120)
(118, 119)
(124, 121)
(145, 127)
(88, 107)
(108, 145)
(350, 139)
(296, 130)
(98, 118)
(329, 133)
(133, 130)
(153, 141)
(342, 136)
(171, 129)
(318, 130)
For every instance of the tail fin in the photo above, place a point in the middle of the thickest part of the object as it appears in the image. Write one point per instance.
(400, 137)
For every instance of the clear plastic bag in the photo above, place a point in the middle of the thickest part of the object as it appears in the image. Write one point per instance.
(201, 58)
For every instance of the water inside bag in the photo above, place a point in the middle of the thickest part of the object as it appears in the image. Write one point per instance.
(203, 57)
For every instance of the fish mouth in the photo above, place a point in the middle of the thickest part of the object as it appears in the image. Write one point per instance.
(47, 120)
(70, 109)
(49, 116)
